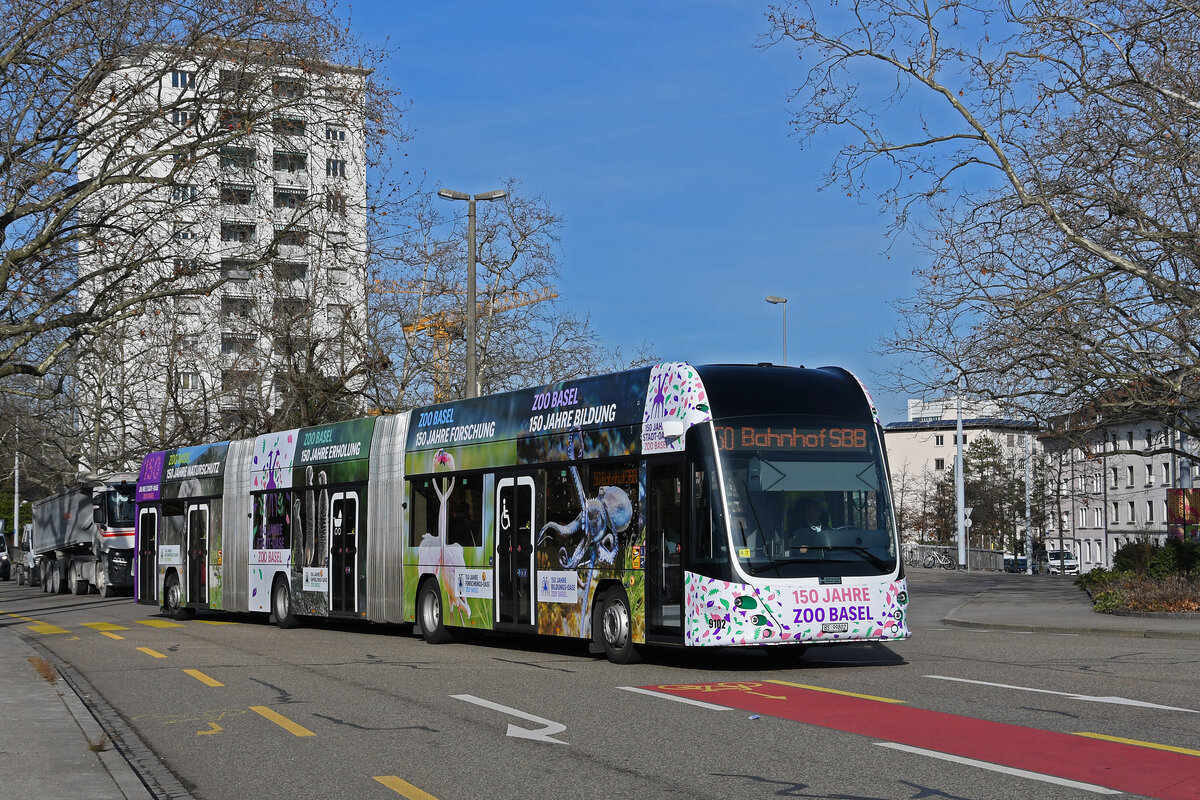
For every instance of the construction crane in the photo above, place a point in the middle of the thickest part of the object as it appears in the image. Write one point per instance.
(444, 326)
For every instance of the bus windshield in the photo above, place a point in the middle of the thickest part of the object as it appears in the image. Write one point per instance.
(807, 497)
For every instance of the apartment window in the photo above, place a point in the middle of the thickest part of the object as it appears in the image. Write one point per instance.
(288, 309)
(1116, 513)
(236, 307)
(1129, 476)
(184, 192)
(1149, 511)
(939, 464)
(339, 276)
(337, 314)
(290, 198)
(289, 270)
(287, 88)
(182, 79)
(1097, 518)
(183, 119)
(1114, 477)
(184, 230)
(1149, 438)
(237, 157)
(335, 203)
(1166, 473)
(939, 440)
(236, 270)
(238, 232)
(1097, 483)
(1081, 516)
(236, 83)
(189, 380)
(236, 345)
(1129, 439)
(1010, 439)
(238, 381)
(286, 161)
(234, 195)
(288, 126)
(1149, 474)
(334, 133)
(292, 237)
(1020, 440)
(335, 168)
(1132, 516)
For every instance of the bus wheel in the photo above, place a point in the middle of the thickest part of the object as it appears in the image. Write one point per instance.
(281, 604)
(173, 599)
(617, 628)
(429, 614)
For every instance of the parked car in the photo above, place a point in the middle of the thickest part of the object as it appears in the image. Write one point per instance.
(1058, 562)
(5, 562)
(1015, 563)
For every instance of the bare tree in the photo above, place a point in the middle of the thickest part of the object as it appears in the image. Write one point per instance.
(526, 334)
(1044, 155)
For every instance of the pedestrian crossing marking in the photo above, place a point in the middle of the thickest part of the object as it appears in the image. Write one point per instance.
(104, 626)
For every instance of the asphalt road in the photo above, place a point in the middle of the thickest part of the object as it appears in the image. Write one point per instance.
(237, 708)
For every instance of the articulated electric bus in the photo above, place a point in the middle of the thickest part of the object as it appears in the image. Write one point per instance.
(701, 506)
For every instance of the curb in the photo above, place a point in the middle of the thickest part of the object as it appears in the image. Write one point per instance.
(134, 767)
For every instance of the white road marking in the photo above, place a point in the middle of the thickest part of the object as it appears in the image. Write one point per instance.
(543, 734)
(688, 700)
(1020, 773)
(1118, 701)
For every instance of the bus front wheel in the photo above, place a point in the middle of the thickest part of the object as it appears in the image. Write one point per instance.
(429, 614)
(616, 626)
(173, 599)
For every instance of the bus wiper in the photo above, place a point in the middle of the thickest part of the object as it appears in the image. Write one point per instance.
(775, 565)
(875, 560)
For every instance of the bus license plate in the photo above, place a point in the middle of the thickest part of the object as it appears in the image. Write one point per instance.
(835, 627)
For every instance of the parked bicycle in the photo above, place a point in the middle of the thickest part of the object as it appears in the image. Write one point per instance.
(936, 558)
(912, 556)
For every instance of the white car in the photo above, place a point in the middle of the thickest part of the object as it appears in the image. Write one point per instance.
(1058, 562)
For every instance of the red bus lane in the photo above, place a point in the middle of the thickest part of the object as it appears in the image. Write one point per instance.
(1110, 764)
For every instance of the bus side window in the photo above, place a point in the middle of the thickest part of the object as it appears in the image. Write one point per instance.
(706, 552)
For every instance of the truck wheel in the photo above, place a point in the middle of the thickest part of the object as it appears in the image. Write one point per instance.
(20, 577)
(617, 628)
(429, 614)
(281, 605)
(75, 584)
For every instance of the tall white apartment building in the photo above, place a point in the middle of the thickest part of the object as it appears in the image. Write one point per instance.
(255, 192)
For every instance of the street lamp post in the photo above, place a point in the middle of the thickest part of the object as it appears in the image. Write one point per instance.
(450, 194)
(781, 301)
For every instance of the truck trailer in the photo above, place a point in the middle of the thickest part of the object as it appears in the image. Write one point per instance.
(82, 537)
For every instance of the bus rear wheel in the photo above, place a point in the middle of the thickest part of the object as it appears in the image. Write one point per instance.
(616, 628)
(281, 604)
(429, 614)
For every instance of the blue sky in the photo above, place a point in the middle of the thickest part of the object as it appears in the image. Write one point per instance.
(661, 135)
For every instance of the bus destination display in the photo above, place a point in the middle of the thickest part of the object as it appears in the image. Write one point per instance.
(781, 438)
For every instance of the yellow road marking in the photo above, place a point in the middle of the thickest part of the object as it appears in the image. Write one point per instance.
(200, 676)
(837, 691)
(1139, 743)
(159, 623)
(212, 728)
(150, 652)
(216, 622)
(36, 625)
(403, 788)
(104, 626)
(111, 635)
(279, 719)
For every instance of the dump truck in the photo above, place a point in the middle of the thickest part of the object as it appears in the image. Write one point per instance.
(81, 537)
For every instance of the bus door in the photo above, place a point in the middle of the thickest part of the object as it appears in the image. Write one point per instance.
(664, 542)
(514, 549)
(147, 563)
(197, 550)
(343, 552)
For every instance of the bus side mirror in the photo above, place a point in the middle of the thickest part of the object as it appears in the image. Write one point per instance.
(98, 515)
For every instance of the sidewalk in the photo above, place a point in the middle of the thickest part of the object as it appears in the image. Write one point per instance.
(1053, 604)
(52, 745)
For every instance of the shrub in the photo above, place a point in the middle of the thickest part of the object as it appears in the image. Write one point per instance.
(1107, 602)
(1133, 557)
